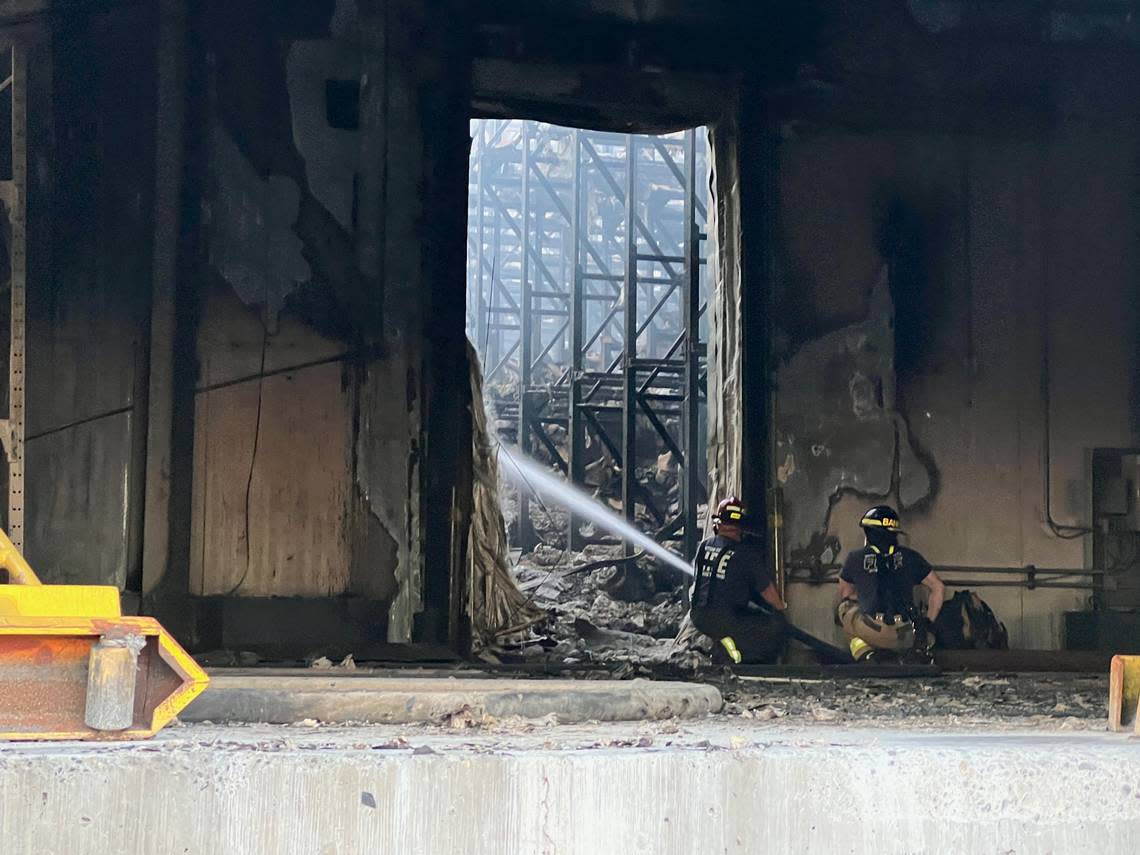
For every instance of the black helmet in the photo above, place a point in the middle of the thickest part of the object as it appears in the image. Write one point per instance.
(881, 518)
(731, 511)
(881, 525)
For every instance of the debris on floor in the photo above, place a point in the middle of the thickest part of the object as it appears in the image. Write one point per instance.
(597, 611)
(348, 663)
(1063, 701)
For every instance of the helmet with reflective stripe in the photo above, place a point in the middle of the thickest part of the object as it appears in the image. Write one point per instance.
(881, 526)
(881, 518)
(731, 511)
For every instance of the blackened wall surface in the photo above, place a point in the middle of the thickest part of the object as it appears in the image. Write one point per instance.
(933, 196)
(330, 133)
(319, 186)
(91, 115)
(941, 234)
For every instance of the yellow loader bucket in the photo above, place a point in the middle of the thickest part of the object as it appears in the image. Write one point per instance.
(73, 667)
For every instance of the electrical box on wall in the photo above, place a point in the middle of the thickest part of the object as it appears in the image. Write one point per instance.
(1130, 472)
(1116, 527)
(1116, 488)
(1111, 496)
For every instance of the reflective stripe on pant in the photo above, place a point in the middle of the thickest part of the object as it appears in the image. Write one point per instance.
(753, 637)
(883, 636)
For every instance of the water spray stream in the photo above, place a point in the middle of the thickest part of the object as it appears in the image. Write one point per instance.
(528, 475)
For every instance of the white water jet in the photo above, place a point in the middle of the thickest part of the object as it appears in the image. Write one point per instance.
(528, 475)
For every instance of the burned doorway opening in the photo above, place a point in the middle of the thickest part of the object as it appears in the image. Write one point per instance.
(563, 224)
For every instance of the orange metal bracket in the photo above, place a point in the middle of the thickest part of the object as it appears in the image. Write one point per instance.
(1124, 693)
(47, 637)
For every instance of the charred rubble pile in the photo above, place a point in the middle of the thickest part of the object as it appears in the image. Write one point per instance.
(599, 605)
(603, 608)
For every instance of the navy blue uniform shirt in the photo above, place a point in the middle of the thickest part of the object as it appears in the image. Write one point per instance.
(729, 573)
(885, 584)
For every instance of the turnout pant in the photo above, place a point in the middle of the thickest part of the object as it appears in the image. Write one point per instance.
(742, 636)
(874, 630)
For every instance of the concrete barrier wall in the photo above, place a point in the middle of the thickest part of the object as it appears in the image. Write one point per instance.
(900, 794)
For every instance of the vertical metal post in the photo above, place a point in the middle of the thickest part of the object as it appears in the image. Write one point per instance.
(482, 305)
(527, 539)
(537, 311)
(18, 211)
(629, 387)
(758, 170)
(494, 317)
(690, 315)
(166, 570)
(576, 428)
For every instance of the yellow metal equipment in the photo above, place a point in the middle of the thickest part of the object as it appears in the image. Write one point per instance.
(73, 667)
(1124, 693)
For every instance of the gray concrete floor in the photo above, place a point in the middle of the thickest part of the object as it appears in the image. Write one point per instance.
(290, 696)
(1047, 700)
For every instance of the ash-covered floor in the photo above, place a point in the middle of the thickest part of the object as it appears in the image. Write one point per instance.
(798, 710)
(1040, 701)
(756, 708)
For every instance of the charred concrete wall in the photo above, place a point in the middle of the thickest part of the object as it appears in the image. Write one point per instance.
(941, 195)
(284, 297)
(933, 254)
(932, 195)
(316, 202)
(328, 138)
(89, 229)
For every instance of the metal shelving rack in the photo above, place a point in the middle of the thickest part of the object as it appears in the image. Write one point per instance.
(564, 225)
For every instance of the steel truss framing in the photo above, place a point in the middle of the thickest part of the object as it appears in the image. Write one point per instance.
(564, 225)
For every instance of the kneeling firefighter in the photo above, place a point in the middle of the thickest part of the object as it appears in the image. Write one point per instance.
(729, 574)
(876, 591)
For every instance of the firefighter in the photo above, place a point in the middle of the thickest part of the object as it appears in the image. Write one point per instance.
(876, 592)
(729, 579)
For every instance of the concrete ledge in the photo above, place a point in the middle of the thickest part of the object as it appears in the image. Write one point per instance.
(287, 699)
(298, 791)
